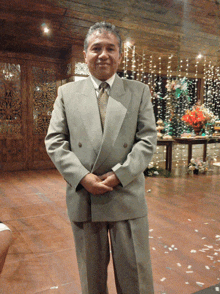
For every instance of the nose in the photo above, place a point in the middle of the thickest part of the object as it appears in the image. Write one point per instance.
(103, 54)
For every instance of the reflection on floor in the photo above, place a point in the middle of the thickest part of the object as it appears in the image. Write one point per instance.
(184, 234)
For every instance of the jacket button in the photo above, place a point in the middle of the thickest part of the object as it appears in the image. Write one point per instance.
(80, 144)
(125, 145)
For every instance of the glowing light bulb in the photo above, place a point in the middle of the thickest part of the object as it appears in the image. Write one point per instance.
(46, 30)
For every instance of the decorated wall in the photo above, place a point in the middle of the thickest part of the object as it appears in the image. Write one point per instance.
(183, 100)
(28, 89)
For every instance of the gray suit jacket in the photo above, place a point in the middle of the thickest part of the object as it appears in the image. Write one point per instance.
(77, 146)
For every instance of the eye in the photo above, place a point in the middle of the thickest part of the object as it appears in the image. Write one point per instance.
(96, 49)
(111, 49)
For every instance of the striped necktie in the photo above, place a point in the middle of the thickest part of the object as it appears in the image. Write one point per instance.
(103, 101)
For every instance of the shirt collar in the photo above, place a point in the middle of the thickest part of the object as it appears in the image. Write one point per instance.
(97, 82)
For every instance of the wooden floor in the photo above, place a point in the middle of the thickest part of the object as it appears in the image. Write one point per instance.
(184, 234)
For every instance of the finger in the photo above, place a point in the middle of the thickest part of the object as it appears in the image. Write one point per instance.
(105, 181)
(108, 182)
(105, 186)
(103, 177)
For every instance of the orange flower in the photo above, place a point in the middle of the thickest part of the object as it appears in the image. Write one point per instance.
(194, 117)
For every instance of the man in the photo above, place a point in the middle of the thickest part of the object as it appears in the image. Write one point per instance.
(5, 242)
(102, 158)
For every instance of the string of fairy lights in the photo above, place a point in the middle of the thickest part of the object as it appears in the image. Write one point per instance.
(148, 69)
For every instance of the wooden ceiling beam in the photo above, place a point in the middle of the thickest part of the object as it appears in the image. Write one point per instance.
(157, 27)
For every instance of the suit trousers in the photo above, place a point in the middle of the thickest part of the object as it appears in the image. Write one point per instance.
(129, 243)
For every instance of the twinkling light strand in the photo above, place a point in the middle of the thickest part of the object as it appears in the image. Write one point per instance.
(159, 92)
(125, 61)
(143, 68)
(196, 81)
(138, 76)
(150, 78)
(133, 64)
(205, 80)
(167, 110)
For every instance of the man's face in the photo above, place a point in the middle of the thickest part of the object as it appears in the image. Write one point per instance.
(102, 56)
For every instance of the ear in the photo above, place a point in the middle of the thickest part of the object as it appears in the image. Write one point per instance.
(84, 54)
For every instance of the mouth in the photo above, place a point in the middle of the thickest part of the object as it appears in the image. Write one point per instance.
(103, 64)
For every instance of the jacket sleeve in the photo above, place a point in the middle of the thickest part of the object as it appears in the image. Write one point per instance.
(145, 143)
(58, 146)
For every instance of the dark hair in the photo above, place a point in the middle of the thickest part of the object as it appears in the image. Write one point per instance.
(103, 26)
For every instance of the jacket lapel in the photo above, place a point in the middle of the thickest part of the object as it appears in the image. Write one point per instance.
(88, 107)
(117, 106)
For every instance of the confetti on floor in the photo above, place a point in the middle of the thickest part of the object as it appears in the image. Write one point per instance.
(203, 246)
(163, 279)
(200, 284)
(193, 251)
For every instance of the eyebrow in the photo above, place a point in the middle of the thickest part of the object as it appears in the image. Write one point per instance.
(100, 44)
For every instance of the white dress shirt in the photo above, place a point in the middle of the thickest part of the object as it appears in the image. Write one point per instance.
(96, 84)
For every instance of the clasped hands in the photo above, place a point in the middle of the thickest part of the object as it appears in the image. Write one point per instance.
(100, 184)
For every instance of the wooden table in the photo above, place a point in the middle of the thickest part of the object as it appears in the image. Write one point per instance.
(195, 141)
(188, 141)
(169, 146)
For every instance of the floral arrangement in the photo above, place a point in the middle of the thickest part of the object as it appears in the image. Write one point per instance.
(152, 170)
(178, 86)
(176, 98)
(198, 116)
(197, 166)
